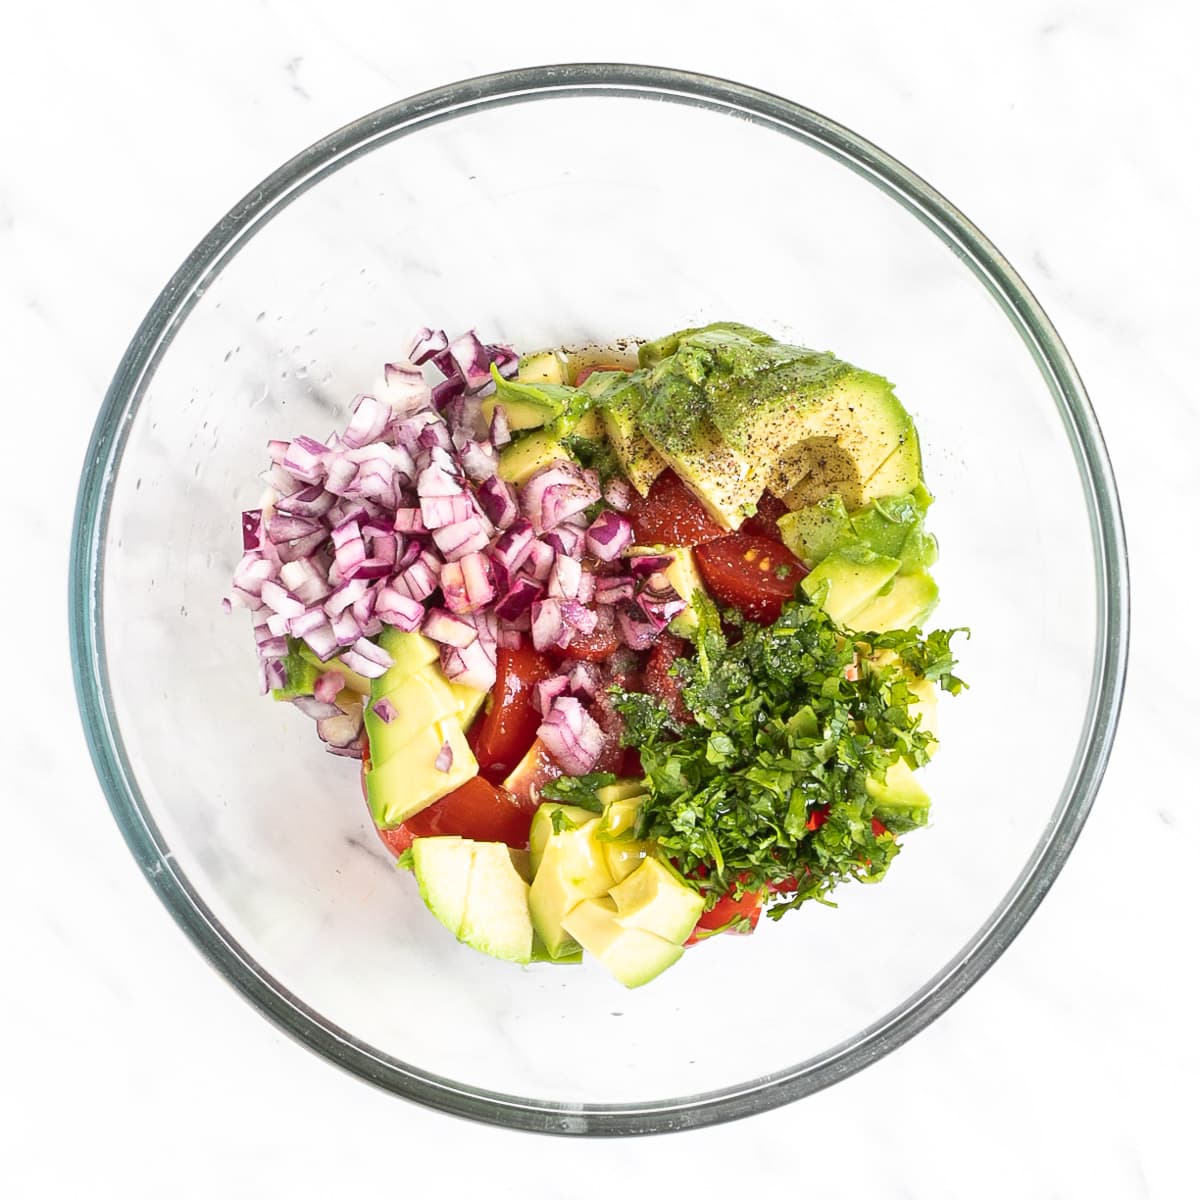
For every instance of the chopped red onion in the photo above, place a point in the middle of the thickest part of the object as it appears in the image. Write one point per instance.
(507, 360)
(252, 529)
(405, 388)
(579, 617)
(322, 642)
(587, 587)
(564, 578)
(369, 418)
(477, 579)
(346, 629)
(328, 685)
(448, 629)
(637, 628)
(445, 757)
(276, 597)
(498, 430)
(305, 458)
(319, 710)
(541, 561)
(509, 639)
(565, 539)
(556, 492)
(426, 344)
(648, 564)
(546, 691)
(399, 610)
(608, 536)
(584, 680)
(470, 665)
(252, 573)
(478, 460)
(519, 598)
(499, 502)
(573, 738)
(385, 710)
(547, 623)
(619, 493)
(439, 511)
(515, 545)
(472, 359)
(408, 520)
(463, 537)
(343, 731)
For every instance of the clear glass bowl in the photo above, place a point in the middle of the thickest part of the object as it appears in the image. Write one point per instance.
(560, 205)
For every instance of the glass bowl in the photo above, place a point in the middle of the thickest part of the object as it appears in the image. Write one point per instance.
(577, 204)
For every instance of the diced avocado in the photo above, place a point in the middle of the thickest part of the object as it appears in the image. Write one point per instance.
(528, 405)
(654, 352)
(656, 899)
(724, 481)
(815, 531)
(357, 683)
(844, 586)
(571, 868)
(541, 828)
(624, 856)
(908, 602)
(496, 920)
(442, 866)
(590, 426)
(632, 956)
(542, 955)
(415, 702)
(900, 472)
(894, 525)
(620, 816)
(409, 651)
(410, 780)
(925, 703)
(546, 366)
(639, 460)
(901, 803)
(527, 454)
(301, 673)
(470, 700)
(684, 576)
(622, 789)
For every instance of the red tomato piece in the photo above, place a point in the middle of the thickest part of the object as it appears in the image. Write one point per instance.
(586, 371)
(747, 907)
(671, 516)
(659, 680)
(597, 646)
(751, 573)
(878, 828)
(818, 817)
(765, 522)
(501, 737)
(477, 810)
(533, 772)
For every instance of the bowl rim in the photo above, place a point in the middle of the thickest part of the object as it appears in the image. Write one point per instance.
(137, 366)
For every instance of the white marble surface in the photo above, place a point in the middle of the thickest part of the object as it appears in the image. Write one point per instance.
(1064, 130)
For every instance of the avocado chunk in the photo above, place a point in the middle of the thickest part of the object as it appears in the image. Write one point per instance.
(541, 828)
(470, 700)
(844, 586)
(528, 405)
(409, 651)
(652, 353)
(655, 899)
(545, 366)
(901, 803)
(474, 889)
(895, 525)
(735, 411)
(619, 406)
(622, 789)
(442, 866)
(572, 868)
(529, 453)
(623, 856)
(410, 780)
(632, 956)
(413, 704)
(908, 602)
(300, 671)
(815, 531)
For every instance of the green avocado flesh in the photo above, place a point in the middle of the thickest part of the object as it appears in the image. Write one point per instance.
(733, 412)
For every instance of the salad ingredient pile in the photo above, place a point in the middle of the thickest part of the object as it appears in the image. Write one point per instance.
(631, 652)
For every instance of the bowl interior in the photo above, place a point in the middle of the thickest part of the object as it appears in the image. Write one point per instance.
(568, 219)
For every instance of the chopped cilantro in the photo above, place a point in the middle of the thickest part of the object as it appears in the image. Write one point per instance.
(767, 785)
(579, 790)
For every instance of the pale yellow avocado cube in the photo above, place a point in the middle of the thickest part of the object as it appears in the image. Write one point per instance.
(572, 868)
(632, 956)
(410, 780)
(655, 899)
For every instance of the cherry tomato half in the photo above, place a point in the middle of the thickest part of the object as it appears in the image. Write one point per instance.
(726, 910)
(671, 516)
(500, 738)
(751, 573)
(477, 810)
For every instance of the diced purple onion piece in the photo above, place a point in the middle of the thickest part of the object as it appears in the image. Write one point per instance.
(426, 344)
(572, 737)
(328, 685)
